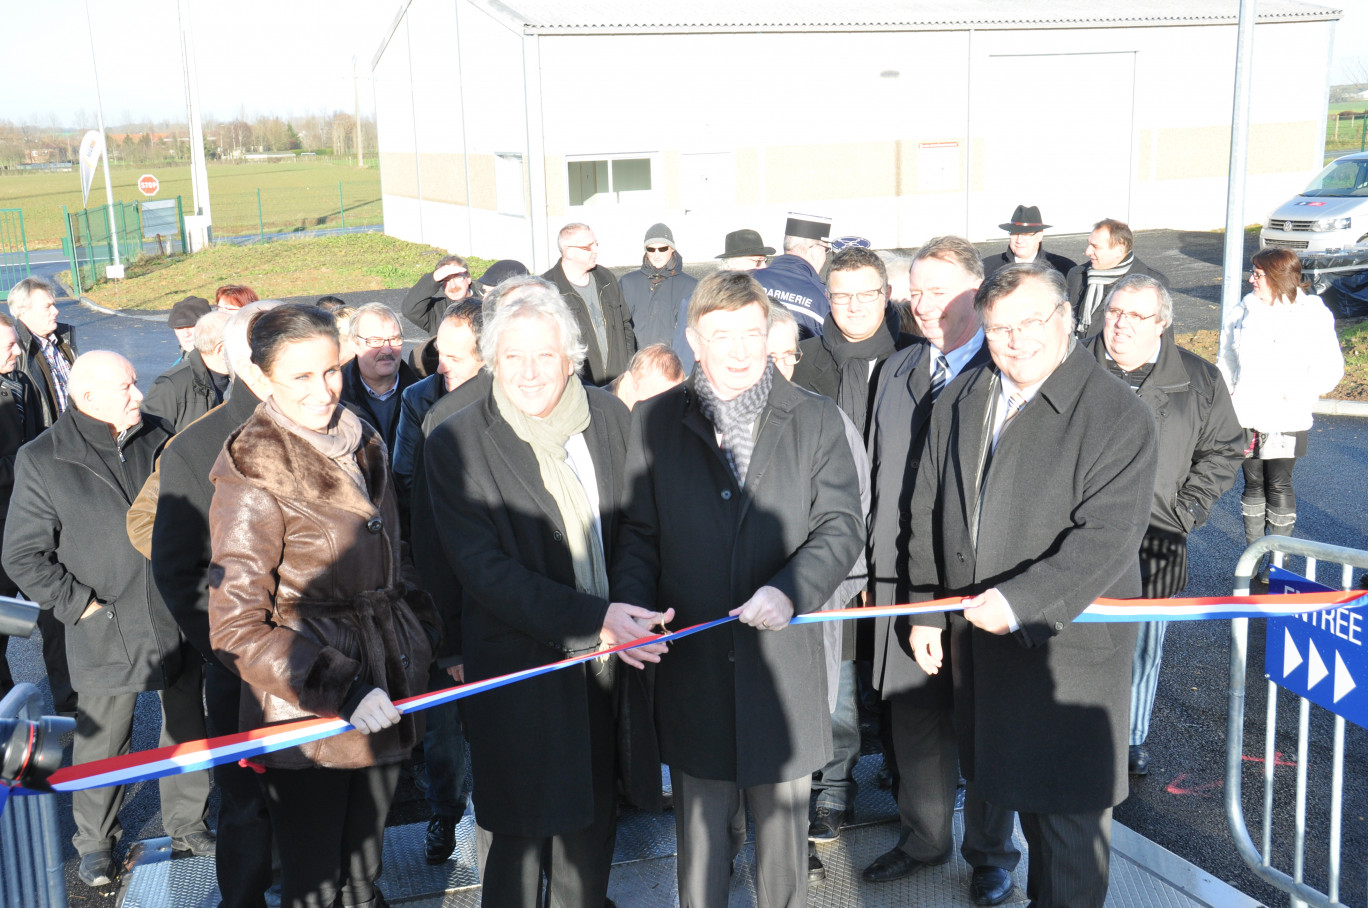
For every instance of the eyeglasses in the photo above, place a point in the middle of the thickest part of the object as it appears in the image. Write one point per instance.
(864, 297)
(590, 248)
(1258, 276)
(377, 342)
(1000, 333)
(750, 339)
(1121, 315)
(789, 358)
(657, 248)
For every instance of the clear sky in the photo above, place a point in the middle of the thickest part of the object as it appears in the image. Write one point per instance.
(265, 56)
(278, 57)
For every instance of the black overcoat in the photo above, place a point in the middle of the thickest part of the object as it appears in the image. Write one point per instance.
(181, 549)
(600, 366)
(66, 543)
(503, 534)
(735, 703)
(1201, 446)
(1042, 715)
(183, 393)
(899, 414)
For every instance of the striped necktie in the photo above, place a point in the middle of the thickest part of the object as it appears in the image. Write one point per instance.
(1014, 405)
(939, 374)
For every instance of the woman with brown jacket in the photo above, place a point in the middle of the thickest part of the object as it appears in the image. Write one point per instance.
(307, 605)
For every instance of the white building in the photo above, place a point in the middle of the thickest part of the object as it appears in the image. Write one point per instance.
(502, 120)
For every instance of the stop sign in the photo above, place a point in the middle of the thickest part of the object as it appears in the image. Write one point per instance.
(148, 185)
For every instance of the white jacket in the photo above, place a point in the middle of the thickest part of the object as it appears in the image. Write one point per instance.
(1278, 359)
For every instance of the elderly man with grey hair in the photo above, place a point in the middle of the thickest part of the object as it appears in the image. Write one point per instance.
(47, 348)
(180, 566)
(1201, 446)
(527, 490)
(373, 383)
(65, 547)
(190, 389)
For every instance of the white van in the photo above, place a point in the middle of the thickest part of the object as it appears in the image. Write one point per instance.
(1331, 213)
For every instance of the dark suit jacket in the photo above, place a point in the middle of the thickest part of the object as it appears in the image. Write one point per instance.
(992, 264)
(503, 533)
(355, 396)
(20, 411)
(600, 366)
(900, 413)
(737, 703)
(33, 364)
(1043, 714)
(1077, 282)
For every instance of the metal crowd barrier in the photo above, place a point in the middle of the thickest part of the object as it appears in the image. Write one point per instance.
(1259, 857)
(30, 852)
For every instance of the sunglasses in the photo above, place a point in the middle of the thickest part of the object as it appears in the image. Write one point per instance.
(657, 248)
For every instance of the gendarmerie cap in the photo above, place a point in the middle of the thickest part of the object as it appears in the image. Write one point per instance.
(187, 312)
(1026, 219)
(808, 227)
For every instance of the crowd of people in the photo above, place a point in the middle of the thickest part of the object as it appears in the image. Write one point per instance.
(299, 520)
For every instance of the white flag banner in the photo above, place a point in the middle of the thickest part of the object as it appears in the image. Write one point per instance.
(92, 146)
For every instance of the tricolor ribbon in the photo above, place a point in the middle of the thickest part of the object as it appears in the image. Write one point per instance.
(200, 755)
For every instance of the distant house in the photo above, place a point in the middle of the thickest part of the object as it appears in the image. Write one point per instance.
(501, 120)
(1361, 95)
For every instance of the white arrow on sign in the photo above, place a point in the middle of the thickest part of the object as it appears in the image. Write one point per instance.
(1291, 657)
(1344, 682)
(1317, 672)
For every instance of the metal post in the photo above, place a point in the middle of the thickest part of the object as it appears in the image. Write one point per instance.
(341, 208)
(1231, 284)
(356, 109)
(261, 225)
(114, 270)
(180, 222)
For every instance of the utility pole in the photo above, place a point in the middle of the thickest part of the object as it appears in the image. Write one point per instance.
(114, 270)
(199, 173)
(356, 95)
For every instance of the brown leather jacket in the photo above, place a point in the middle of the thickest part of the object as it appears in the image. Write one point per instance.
(306, 598)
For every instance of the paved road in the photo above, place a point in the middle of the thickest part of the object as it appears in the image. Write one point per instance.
(1179, 804)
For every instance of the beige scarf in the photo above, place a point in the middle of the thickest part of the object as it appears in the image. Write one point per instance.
(547, 437)
(339, 443)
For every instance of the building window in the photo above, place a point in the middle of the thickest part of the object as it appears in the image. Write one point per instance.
(610, 180)
(508, 184)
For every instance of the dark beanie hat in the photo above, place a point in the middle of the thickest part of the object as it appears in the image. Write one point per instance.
(659, 235)
(187, 312)
(501, 271)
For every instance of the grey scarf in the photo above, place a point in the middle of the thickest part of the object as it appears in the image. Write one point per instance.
(1099, 279)
(735, 418)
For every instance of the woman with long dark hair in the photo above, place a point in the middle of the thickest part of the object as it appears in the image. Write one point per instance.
(308, 606)
(1279, 353)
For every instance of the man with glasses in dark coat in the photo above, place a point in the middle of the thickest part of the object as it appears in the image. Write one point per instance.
(1201, 447)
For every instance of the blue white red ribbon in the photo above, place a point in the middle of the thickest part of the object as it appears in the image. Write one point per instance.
(200, 755)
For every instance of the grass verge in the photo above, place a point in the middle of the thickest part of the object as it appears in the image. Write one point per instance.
(303, 267)
(1353, 336)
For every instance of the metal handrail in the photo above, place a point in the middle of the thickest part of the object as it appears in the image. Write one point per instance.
(31, 871)
(1259, 859)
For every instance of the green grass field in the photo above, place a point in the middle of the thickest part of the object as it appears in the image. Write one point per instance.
(298, 195)
(1350, 131)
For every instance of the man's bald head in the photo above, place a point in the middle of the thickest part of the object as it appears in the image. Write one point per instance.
(104, 386)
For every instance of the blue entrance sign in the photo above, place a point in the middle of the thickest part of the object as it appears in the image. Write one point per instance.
(1319, 656)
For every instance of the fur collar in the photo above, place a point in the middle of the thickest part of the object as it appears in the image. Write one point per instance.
(287, 466)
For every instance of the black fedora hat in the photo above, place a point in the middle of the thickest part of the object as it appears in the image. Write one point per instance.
(1026, 219)
(744, 242)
